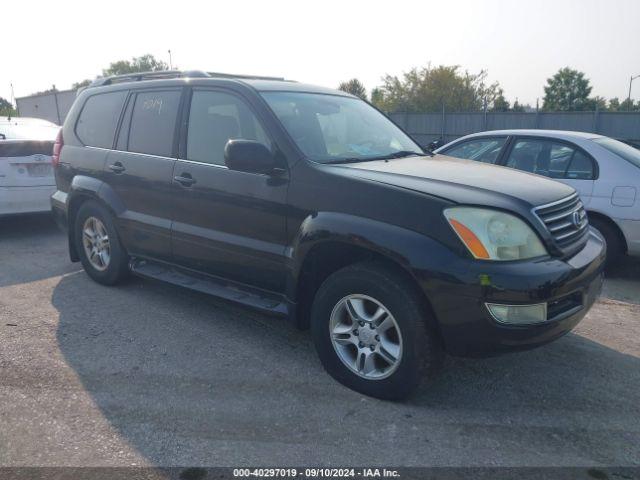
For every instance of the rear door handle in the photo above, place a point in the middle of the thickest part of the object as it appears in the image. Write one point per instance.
(185, 179)
(117, 167)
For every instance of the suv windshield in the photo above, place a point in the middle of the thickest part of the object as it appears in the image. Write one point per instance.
(332, 128)
(623, 150)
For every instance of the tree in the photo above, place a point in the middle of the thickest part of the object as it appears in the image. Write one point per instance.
(567, 90)
(427, 89)
(501, 104)
(354, 87)
(6, 108)
(83, 83)
(377, 96)
(145, 63)
(517, 107)
(629, 106)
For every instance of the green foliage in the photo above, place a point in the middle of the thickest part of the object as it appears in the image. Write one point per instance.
(354, 87)
(501, 104)
(6, 108)
(517, 107)
(568, 90)
(145, 63)
(627, 105)
(83, 83)
(427, 89)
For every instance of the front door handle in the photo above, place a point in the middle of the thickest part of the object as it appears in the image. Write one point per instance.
(185, 179)
(117, 167)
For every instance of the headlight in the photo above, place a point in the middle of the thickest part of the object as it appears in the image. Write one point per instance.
(494, 235)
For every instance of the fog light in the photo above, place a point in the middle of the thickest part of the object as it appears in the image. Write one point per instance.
(518, 314)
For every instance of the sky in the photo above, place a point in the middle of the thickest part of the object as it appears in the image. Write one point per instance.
(519, 43)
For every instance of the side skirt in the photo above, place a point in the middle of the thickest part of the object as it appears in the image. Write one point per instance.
(264, 301)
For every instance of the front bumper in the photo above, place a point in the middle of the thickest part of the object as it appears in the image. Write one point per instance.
(569, 286)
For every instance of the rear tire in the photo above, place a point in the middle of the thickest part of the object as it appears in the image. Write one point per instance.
(357, 341)
(615, 247)
(98, 246)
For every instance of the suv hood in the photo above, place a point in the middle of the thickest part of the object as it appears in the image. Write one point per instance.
(462, 181)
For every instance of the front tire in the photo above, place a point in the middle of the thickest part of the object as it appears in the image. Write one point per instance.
(98, 246)
(371, 331)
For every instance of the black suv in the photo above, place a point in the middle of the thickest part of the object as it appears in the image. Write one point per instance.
(308, 202)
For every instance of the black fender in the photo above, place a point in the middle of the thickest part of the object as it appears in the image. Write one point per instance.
(414, 252)
(81, 188)
(82, 185)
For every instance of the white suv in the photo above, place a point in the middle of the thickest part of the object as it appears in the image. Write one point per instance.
(26, 174)
(604, 171)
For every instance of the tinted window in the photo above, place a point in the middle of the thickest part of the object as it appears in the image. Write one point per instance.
(153, 122)
(214, 118)
(551, 159)
(484, 150)
(99, 117)
(623, 150)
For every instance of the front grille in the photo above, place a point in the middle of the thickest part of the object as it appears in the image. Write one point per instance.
(566, 221)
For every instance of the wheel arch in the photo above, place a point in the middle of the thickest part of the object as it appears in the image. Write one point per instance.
(611, 223)
(83, 189)
(328, 242)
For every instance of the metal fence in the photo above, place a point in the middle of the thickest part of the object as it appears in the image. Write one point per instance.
(426, 127)
(52, 106)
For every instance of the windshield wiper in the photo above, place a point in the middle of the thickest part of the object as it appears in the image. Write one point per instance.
(401, 154)
(398, 154)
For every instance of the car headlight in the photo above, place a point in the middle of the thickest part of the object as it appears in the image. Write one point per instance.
(494, 235)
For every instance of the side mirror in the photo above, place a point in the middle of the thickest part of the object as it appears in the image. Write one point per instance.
(248, 156)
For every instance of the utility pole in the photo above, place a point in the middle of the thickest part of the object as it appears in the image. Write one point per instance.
(629, 97)
(170, 62)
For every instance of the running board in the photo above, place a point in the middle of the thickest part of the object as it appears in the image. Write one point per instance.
(217, 287)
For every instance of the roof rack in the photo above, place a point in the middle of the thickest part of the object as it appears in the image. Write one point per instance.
(165, 74)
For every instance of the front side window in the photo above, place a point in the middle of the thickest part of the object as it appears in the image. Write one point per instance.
(153, 122)
(331, 128)
(484, 150)
(214, 119)
(98, 120)
(551, 159)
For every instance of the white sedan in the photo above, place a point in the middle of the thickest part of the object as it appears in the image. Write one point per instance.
(604, 171)
(26, 174)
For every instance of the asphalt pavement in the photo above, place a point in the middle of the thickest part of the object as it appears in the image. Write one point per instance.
(151, 374)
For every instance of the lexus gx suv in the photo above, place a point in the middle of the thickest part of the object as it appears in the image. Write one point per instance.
(309, 203)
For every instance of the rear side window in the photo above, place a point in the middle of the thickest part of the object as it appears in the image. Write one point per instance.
(153, 122)
(484, 150)
(551, 159)
(97, 123)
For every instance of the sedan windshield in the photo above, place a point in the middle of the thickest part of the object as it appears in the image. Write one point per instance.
(623, 150)
(334, 129)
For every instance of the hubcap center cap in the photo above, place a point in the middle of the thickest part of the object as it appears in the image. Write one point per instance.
(367, 335)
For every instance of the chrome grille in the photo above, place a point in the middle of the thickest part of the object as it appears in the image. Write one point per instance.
(566, 220)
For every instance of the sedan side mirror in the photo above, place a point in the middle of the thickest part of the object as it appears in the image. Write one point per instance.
(248, 156)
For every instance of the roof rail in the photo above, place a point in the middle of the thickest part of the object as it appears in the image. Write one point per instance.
(246, 77)
(138, 77)
(164, 74)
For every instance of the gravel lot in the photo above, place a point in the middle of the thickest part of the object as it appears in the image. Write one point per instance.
(151, 374)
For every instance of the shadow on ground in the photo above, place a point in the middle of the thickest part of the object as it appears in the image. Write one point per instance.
(34, 239)
(189, 380)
